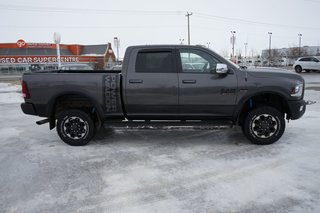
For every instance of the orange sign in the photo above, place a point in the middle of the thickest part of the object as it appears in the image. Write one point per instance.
(21, 43)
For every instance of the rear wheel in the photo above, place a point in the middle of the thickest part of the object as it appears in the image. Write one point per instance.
(75, 127)
(298, 69)
(264, 125)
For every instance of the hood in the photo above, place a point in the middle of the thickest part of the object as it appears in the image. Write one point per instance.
(270, 72)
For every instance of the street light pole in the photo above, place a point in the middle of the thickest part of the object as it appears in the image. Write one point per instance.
(270, 34)
(245, 49)
(300, 35)
(245, 52)
(117, 44)
(188, 17)
(57, 40)
(233, 40)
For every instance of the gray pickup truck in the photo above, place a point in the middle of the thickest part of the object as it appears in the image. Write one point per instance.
(173, 85)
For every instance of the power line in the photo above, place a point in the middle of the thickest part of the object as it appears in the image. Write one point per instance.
(91, 27)
(85, 11)
(206, 16)
(142, 12)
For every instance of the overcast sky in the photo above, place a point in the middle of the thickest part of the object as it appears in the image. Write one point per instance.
(164, 22)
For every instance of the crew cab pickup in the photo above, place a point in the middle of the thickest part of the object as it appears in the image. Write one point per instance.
(166, 85)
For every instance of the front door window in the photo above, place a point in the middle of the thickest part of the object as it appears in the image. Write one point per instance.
(195, 61)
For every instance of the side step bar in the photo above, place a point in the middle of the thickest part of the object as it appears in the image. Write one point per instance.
(43, 121)
(142, 124)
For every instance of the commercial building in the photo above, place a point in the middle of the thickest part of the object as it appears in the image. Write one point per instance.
(287, 56)
(25, 57)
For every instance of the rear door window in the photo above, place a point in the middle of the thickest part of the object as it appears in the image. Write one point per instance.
(305, 59)
(155, 62)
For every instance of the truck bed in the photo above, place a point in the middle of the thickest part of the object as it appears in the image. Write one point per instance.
(100, 87)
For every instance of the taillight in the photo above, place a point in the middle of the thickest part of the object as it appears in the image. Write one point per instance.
(25, 90)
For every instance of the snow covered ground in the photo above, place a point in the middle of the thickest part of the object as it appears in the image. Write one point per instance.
(158, 170)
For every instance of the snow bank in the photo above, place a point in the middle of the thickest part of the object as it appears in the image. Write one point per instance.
(10, 94)
(7, 87)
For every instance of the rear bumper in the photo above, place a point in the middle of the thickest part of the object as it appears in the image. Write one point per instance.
(28, 108)
(297, 109)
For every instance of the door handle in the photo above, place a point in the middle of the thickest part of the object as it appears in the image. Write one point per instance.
(189, 81)
(135, 81)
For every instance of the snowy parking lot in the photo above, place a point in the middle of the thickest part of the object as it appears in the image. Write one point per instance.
(179, 170)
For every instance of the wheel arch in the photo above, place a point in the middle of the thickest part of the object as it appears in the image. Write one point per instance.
(71, 96)
(269, 98)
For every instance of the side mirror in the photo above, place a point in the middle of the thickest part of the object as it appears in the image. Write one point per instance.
(221, 69)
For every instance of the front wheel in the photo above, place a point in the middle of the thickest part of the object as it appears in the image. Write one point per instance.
(264, 125)
(75, 127)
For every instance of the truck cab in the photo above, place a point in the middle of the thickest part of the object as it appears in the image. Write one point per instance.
(159, 82)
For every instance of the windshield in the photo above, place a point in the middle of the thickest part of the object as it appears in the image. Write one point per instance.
(235, 65)
(230, 62)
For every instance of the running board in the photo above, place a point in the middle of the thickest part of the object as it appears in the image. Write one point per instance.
(43, 121)
(142, 124)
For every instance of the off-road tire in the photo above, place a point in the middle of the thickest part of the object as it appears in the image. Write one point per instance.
(75, 127)
(264, 125)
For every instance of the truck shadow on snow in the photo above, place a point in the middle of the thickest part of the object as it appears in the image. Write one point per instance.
(230, 136)
(227, 144)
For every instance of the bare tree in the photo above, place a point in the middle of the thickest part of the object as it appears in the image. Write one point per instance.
(275, 57)
(238, 53)
(224, 53)
(294, 52)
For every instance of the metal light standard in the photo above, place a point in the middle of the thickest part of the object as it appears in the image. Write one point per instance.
(299, 35)
(245, 52)
(116, 41)
(245, 49)
(188, 17)
(57, 40)
(270, 34)
(233, 41)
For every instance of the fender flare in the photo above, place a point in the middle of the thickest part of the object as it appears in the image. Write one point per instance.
(53, 101)
(245, 99)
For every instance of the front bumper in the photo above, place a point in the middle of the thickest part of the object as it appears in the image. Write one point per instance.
(297, 109)
(28, 108)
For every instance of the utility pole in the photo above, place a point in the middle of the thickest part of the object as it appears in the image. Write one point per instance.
(270, 34)
(233, 41)
(300, 35)
(188, 17)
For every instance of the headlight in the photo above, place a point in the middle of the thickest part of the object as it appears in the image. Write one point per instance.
(297, 90)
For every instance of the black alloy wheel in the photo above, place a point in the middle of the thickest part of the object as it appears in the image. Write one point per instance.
(75, 127)
(264, 125)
